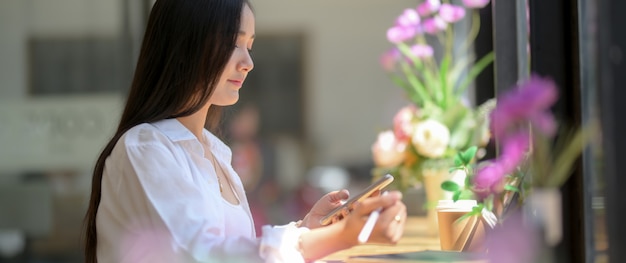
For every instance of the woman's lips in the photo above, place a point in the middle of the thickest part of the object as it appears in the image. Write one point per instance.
(235, 82)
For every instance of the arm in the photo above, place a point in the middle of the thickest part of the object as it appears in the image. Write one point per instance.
(323, 241)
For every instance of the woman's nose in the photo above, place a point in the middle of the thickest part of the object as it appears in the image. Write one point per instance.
(246, 63)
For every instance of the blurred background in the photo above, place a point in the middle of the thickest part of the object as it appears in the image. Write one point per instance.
(308, 112)
(303, 126)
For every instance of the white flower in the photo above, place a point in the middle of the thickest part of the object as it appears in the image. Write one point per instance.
(388, 151)
(431, 138)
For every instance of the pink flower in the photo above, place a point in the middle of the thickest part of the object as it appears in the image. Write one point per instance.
(451, 13)
(521, 249)
(388, 151)
(434, 25)
(422, 51)
(397, 34)
(409, 18)
(428, 7)
(488, 180)
(403, 123)
(513, 151)
(475, 3)
(389, 58)
(529, 101)
(545, 123)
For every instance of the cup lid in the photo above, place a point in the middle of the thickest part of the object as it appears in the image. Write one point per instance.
(459, 204)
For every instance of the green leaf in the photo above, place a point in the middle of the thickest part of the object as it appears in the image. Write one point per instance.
(456, 196)
(571, 148)
(459, 67)
(450, 186)
(455, 168)
(511, 188)
(476, 211)
(429, 84)
(488, 203)
(415, 82)
(444, 91)
(458, 160)
(469, 154)
(475, 70)
(411, 92)
(467, 195)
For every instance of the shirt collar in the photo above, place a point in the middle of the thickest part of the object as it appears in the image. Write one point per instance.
(177, 132)
(173, 129)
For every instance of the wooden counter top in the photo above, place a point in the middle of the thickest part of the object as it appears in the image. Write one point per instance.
(414, 239)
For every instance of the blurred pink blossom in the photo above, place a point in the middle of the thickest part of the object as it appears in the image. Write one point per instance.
(475, 3)
(513, 241)
(488, 180)
(529, 101)
(434, 25)
(545, 123)
(409, 18)
(403, 123)
(148, 245)
(422, 51)
(428, 7)
(388, 151)
(451, 13)
(397, 34)
(389, 58)
(514, 148)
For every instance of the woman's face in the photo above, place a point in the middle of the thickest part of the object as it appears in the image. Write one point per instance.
(240, 63)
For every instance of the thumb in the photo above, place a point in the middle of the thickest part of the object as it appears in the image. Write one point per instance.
(338, 196)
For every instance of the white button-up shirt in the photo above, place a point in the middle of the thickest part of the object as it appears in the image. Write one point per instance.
(161, 202)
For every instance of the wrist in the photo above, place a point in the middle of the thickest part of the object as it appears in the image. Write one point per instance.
(304, 222)
(347, 237)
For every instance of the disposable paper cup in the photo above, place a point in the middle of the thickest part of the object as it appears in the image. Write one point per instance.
(463, 235)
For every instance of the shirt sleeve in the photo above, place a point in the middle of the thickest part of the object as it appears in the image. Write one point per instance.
(191, 219)
(281, 244)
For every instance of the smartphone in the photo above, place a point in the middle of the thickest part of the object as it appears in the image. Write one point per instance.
(378, 185)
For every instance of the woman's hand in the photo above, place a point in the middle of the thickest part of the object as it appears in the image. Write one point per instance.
(390, 224)
(322, 207)
(344, 234)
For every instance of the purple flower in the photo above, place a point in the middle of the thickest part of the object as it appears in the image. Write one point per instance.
(389, 58)
(428, 7)
(398, 34)
(434, 25)
(528, 102)
(475, 3)
(521, 249)
(538, 93)
(488, 180)
(422, 51)
(451, 13)
(545, 123)
(514, 148)
(409, 18)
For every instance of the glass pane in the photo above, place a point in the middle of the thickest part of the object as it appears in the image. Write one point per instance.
(595, 229)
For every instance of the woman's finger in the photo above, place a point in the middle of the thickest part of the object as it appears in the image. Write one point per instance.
(370, 204)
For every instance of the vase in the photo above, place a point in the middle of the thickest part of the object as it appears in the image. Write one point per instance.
(543, 213)
(543, 209)
(433, 177)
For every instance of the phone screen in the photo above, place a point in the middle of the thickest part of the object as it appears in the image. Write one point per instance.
(378, 185)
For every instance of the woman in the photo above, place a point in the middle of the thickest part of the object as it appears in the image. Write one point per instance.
(163, 188)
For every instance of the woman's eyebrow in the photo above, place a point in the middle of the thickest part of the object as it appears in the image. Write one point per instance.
(243, 33)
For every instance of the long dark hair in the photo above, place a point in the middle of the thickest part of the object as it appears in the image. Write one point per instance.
(185, 48)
